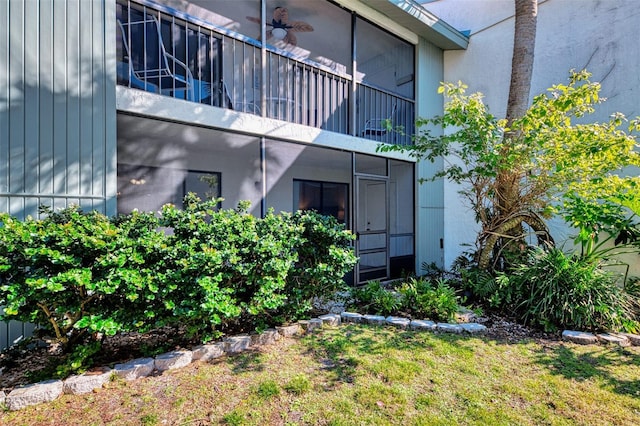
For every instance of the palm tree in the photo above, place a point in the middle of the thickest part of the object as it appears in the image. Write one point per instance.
(507, 234)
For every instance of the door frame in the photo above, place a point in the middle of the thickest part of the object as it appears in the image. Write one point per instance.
(358, 178)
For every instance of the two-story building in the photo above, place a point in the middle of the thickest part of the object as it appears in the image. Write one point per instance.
(123, 104)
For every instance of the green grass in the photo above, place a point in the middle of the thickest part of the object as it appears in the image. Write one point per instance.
(373, 376)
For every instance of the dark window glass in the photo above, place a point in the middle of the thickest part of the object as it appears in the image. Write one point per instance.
(326, 198)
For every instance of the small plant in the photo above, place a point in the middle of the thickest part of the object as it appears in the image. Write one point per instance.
(298, 385)
(233, 419)
(374, 298)
(268, 389)
(427, 299)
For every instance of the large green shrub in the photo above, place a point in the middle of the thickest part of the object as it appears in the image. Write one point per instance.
(78, 274)
(556, 290)
(238, 263)
(73, 273)
(325, 256)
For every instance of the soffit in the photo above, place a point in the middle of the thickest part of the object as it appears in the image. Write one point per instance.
(418, 20)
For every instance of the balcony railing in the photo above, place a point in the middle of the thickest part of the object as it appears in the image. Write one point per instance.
(176, 55)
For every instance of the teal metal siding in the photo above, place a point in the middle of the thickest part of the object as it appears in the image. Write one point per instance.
(430, 195)
(57, 105)
(57, 110)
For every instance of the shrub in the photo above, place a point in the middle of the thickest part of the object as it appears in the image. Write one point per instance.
(325, 256)
(374, 298)
(73, 273)
(230, 264)
(559, 291)
(77, 275)
(429, 299)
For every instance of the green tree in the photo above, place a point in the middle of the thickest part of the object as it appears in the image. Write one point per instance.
(553, 156)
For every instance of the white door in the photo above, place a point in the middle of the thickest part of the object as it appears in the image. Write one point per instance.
(372, 229)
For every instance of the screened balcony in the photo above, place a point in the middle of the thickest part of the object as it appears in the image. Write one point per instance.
(205, 57)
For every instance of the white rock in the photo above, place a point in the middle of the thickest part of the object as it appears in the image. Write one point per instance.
(135, 369)
(172, 360)
(634, 339)
(314, 324)
(33, 394)
(423, 325)
(289, 330)
(580, 337)
(86, 382)
(267, 337)
(473, 327)
(208, 352)
(350, 317)
(615, 339)
(330, 319)
(398, 322)
(374, 319)
(236, 344)
(449, 328)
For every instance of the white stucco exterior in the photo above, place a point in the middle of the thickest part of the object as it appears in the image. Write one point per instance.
(599, 35)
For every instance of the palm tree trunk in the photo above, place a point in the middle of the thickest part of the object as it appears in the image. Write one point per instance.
(524, 41)
(524, 38)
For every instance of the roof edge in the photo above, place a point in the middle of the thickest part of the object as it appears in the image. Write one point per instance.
(415, 17)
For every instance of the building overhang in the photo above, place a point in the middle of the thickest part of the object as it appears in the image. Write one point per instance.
(417, 19)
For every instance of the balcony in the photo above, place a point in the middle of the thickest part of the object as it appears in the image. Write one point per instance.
(171, 53)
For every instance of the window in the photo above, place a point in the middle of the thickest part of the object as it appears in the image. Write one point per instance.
(148, 188)
(326, 198)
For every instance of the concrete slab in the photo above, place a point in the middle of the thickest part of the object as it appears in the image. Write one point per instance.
(580, 337)
(33, 394)
(172, 360)
(87, 382)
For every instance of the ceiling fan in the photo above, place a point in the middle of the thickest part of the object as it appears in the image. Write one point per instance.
(281, 28)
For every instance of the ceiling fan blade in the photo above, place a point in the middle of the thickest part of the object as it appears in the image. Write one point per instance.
(255, 20)
(281, 14)
(291, 39)
(299, 27)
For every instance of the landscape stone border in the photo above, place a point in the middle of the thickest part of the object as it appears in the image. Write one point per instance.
(49, 390)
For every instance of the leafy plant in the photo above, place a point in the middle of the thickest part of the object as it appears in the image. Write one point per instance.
(555, 290)
(76, 273)
(325, 256)
(429, 299)
(514, 177)
(374, 298)
(81, 275)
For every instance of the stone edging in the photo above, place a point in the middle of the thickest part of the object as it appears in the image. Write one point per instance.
(49, 390)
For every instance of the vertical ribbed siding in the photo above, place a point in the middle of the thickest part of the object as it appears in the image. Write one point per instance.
(4, 105)
(57, 110)
(430, 195)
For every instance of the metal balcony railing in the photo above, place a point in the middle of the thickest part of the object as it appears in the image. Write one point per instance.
(167, 52)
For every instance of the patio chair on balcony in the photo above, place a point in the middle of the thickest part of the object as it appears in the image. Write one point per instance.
(216, 94)
(380, 126)
(149, 65)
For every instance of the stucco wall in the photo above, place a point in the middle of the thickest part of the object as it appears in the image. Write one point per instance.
(599, 35)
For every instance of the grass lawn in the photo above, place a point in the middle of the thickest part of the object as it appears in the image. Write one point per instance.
(361, 375)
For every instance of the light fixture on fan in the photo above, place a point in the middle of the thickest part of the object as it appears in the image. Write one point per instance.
(281, 28)
(279, 33)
